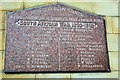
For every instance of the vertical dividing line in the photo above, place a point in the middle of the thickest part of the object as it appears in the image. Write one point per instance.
(59, 53)
(59, 50)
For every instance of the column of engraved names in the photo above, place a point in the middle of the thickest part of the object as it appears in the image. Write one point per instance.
(89, 47)
(67, 48)
(44, 48)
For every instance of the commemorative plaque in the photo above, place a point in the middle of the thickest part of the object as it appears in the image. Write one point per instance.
(55, 38)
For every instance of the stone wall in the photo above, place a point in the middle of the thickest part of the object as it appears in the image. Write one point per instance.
(108, 9)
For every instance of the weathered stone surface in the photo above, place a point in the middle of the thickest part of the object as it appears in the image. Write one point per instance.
(2, 19)
(18, 76)
(113, 74)
(55, 38)
(113, 42)
(40, 1)
(112, 25)
(53, 75)
(1, 39)
(105, 0)
(108, 8)
(11, 5)
(29, 4)
(1, 61)
(114, 60)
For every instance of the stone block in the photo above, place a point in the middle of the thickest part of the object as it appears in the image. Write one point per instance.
(112, 24)
(11, 5)
(2, 19)
(54, 75)
(30, 3)
(113, 58)
(113, 74)
(108, 8)
(112, 41)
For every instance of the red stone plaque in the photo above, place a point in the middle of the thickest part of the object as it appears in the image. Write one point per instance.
(55, 38)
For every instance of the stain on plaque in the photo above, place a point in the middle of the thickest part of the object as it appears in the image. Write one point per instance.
(55, 38)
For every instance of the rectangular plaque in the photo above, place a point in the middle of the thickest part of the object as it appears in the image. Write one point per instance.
(55, 38)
